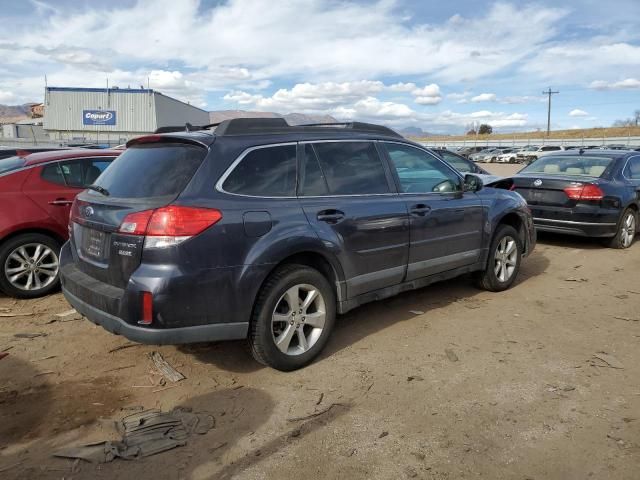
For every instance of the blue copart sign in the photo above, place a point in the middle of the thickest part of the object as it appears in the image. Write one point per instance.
(98, 117)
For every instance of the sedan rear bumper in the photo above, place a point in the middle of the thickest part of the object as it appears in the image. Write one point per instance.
(571, 227)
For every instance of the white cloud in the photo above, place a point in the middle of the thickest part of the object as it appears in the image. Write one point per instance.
(6, 97)
(576, 112)
(428, 100)
(587, 58)
(372, 108)
(495, 119)
(403, 87)
(337, 40)
(519, 99)
(484, 97)
(458, 96)
(627, 83)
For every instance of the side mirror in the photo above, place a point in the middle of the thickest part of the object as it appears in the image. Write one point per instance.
(472, 183)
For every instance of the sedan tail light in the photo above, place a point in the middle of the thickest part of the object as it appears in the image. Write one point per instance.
(587, 191)
(169, 225)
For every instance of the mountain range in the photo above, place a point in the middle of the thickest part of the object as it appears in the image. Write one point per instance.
(14, 113)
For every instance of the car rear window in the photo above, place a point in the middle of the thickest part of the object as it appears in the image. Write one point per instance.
(11, 163)
(570, 165)
(152, 170)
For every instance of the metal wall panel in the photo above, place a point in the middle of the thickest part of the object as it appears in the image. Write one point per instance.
(173, 112)
(134, 109)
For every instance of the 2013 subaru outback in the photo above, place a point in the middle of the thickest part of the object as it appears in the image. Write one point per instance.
(265, 231)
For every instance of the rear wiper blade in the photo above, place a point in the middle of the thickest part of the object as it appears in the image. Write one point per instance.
(99, 189)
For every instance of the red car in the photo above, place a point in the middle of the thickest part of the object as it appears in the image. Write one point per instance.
(36, 193)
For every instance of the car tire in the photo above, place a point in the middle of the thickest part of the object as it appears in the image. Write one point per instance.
(626, 230)
(280, 319)
(23, 259)
(503, 263)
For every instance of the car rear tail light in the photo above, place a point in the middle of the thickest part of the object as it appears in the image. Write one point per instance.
(136, 223)
(75, 214)
(169, 225)
(588, 191)
(146, 308)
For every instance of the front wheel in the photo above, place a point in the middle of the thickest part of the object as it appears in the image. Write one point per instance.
(29, 265)
(503, 264)
(293, 318)
(627, 228)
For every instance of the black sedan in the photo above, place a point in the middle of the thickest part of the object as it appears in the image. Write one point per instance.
(594, 193)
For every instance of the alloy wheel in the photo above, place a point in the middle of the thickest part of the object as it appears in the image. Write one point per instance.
(628, 230)
(298, 319)
(505, 258)
(32, 266)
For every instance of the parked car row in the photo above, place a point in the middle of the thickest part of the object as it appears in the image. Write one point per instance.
(307, 222)
(525, 154)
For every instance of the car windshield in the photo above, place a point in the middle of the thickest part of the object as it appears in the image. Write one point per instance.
(11, 163)
(569, 165)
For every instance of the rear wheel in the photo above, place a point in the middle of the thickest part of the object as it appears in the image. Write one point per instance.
(627, 228)
(504, 261)
(293, 318)
(29, 265)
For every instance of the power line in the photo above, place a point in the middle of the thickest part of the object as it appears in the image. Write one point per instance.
(549, 92)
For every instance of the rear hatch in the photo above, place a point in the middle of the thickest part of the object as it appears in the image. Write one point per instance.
(145, 177)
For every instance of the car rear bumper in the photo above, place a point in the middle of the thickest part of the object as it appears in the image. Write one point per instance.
(571, 227)
(186, 309)
(166, 336)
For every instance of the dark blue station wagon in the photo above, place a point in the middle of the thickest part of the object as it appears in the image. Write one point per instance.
(264, 231)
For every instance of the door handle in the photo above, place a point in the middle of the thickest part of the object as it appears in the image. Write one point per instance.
(419, 210)
(330, 216)
(60, 201)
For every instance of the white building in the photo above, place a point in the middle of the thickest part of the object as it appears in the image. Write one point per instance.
(113, 115)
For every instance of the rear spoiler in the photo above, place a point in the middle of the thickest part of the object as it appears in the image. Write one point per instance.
(187, 127)
(165, 139)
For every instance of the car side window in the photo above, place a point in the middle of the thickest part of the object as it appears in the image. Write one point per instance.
(312, 181)
(421, 172)
(83, 172)
(352, 168)
(265, 172)
(53, 173)
(458, 163)
(632, 171)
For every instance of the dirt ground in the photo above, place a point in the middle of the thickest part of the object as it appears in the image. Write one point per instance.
(447, 382)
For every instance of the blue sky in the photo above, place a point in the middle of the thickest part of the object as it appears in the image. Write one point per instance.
(440, 66)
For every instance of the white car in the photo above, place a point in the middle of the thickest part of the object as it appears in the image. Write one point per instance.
(485, 155)
(510, 156)
(530, 154)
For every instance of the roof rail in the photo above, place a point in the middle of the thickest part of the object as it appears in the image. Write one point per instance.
(361, 126)
(257, 126)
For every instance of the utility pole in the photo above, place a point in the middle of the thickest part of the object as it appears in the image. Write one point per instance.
(549, 92)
